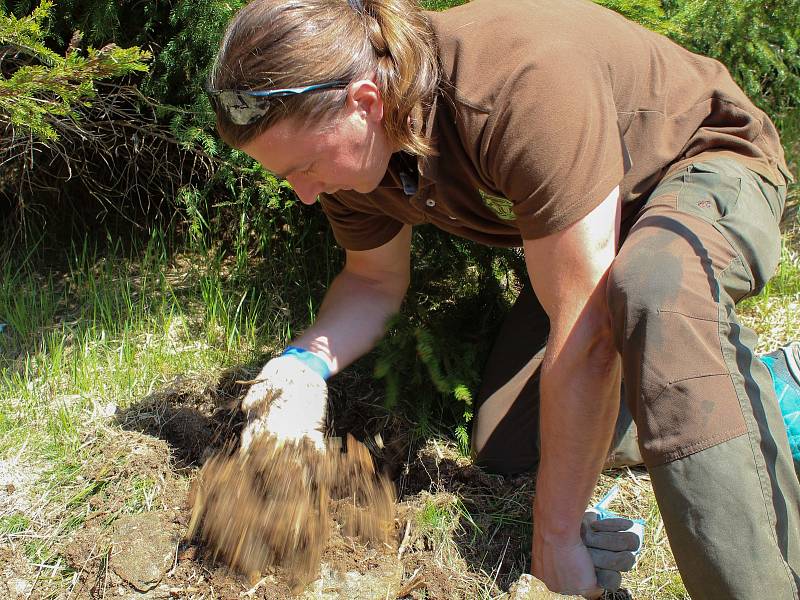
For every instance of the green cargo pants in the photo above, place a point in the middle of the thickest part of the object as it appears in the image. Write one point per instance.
(708, 423)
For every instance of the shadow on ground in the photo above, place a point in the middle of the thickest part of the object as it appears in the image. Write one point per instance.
(195, 420)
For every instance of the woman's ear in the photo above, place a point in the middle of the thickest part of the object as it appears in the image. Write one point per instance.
(364, 96)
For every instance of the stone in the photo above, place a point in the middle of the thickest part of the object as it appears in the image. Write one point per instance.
(527, 587)
(383, 581)
(19, 587)
(143, 549)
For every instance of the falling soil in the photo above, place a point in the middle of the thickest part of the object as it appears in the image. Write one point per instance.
(269, 507)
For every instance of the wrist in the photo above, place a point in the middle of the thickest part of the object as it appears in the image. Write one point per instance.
(555, 527)
(312, 360)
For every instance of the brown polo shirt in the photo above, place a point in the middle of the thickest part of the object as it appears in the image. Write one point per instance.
(546, 106)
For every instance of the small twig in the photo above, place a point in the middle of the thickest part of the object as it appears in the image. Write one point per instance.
(186, 590)
(439, 452)
(416, 581)
(404, 542)
(175, 563)
(33, 585)
(500, 563)
(249, 381)
(252, 591)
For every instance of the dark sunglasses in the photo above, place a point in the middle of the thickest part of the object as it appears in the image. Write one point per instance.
(243, 107)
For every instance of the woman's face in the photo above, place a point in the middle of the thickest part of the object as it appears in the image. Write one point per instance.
(347, 152)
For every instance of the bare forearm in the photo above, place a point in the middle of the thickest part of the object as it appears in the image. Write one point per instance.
(351, 320)
(579, 404)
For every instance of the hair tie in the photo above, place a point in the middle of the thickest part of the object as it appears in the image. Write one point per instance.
(356, 5)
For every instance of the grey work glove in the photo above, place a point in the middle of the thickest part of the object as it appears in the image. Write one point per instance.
(288, 400)
(613, 541)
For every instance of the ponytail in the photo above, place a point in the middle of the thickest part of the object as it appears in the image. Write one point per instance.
(407, 67)
(290, 43)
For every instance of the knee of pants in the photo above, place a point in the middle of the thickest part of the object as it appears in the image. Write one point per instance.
(635, 291)
(678, 383)
(665, 270)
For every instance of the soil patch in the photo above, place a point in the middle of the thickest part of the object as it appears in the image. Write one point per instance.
(16, 575)
(329, 530)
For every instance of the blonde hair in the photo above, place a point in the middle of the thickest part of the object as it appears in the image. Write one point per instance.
(273, 44)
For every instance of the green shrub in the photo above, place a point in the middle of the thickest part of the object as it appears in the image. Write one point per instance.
(44, 85)
(649, 13)
(432, 360)
(758, 41)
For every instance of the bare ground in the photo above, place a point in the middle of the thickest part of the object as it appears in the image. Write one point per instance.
(454, 532)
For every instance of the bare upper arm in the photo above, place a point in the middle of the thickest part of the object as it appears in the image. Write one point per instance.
(386, 265)
(566, 268)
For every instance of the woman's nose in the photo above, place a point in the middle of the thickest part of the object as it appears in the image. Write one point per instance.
(306, 190)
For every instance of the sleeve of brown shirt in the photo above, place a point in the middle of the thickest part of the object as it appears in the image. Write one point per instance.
(356, 224)
(554, 147)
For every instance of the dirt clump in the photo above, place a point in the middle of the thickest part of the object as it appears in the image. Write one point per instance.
(271, 506)
(16, 575)
(196, 419)
(142, 549)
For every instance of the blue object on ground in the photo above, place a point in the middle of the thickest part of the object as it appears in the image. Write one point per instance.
(784, 366)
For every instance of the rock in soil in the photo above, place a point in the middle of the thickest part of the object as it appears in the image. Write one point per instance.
(528, 587)
(378, 583)
(270, 506)
(143, 549)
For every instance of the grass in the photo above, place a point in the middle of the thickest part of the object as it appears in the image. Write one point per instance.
(773, 313)
(97, 334)
(14, 523)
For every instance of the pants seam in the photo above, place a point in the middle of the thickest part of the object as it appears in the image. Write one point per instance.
(693, 377)
(704, 444)
(677, 312)
(761, 470)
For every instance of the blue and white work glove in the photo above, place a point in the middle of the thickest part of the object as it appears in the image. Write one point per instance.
(613, 541)
(288, 400)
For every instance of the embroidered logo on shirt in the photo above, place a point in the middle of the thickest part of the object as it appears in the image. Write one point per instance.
(502, 207)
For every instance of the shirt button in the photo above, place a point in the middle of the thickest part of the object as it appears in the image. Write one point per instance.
(430, 202)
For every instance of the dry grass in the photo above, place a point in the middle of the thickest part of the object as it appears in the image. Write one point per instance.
(484, 532)
(774, 312)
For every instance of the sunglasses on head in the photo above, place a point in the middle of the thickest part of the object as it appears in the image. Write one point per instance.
(244, 107)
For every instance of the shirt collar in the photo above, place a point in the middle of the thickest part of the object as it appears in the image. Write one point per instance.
(428, 166)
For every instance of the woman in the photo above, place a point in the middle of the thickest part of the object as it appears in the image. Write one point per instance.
(645, 190)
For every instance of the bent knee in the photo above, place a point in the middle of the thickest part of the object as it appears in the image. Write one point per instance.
(644, 284)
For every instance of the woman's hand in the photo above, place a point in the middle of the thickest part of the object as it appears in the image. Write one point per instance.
(289, 401)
